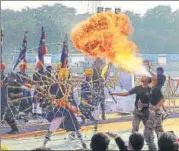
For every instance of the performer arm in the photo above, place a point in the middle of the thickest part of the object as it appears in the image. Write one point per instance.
(160, 104)
(132, 91)
(120, 143)
(121, 94)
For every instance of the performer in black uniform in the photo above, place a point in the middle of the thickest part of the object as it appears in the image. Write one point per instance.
(161, 78)
(141, 110)
(154, 122)
(7, 108)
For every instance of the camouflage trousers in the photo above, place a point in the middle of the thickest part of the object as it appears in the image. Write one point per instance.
(154, 122)
(139, 116)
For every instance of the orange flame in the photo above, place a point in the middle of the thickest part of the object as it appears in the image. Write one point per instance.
(105, 35)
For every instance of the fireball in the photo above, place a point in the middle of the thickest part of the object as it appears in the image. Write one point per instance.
(105, 35)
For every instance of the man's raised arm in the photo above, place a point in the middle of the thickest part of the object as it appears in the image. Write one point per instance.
(132, 91)
(121, 94)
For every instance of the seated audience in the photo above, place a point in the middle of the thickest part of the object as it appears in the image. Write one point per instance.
(41, 149)
(136, 141)
(168, 142)
(99, 142)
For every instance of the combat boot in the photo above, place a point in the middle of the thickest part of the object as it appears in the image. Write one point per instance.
(84, 146)
(14, 129)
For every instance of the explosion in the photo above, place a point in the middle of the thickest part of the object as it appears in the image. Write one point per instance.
(105, 35)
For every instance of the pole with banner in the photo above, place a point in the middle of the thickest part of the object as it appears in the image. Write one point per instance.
(2, 36)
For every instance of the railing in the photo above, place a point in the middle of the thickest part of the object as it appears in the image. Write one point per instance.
(171, 91)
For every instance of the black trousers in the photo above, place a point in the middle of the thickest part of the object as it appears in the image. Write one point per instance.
(8, 116)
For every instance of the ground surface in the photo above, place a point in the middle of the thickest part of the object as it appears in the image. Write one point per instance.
(60, 140)
(120, 124)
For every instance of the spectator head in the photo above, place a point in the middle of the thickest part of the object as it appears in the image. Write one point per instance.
(168, 142)
(136, 141)
(41, 149)
(99, 142)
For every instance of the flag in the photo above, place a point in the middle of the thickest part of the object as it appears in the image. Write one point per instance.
(64, 55)
(42, 50)
(23, 49)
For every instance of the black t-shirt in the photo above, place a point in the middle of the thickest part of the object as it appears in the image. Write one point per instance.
(160, 80)
(155, 96)
(142, 94)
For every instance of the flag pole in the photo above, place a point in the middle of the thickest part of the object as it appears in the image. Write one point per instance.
(2, 36)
